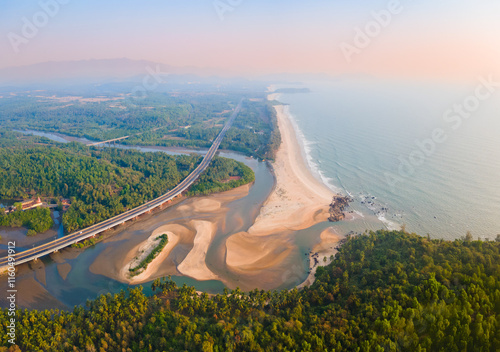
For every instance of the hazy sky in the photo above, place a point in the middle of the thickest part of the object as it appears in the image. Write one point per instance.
(459, 38)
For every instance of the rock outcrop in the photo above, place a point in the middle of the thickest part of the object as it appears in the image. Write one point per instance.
(337, 207)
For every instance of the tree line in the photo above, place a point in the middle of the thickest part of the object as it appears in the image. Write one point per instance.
(36, 220)
(103, 182)
(384, 291)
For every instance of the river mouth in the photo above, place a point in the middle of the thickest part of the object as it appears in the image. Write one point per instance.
(65, 279)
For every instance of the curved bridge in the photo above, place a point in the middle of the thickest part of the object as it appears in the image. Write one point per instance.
(60, 243)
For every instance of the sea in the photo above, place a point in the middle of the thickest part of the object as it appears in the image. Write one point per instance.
(422, 155)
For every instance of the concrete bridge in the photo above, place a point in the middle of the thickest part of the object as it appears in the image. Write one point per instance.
(108, 141)
(92, 231)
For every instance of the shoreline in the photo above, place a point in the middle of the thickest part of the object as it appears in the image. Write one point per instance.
(298, 201)
(327, 247)
(296, 186)
(303, 142)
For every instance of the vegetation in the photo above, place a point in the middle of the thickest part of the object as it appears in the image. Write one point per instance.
(385, 291)
(217, 178)
(89, 242)
(110, 115)
(190, 120)
(151, 256)
(36, 220)
(254, 132)
(100, 182)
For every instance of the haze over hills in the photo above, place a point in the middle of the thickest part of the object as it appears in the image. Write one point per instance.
(127, 70)
(100, 71)
(85, 71)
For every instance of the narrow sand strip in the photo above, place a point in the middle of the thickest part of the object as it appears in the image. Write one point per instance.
(194, 264)
(298, 201)
(298, 195)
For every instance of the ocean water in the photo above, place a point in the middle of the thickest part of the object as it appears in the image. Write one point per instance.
(401, 154)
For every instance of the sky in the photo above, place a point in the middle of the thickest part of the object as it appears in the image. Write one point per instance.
(451, 39)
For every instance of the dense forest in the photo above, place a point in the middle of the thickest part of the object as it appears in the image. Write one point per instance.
(36, 220)
(384, 291)
(254, 132)
(101, 182)
(190, 120)
(106, 116)
(215, 179)
(161, 119)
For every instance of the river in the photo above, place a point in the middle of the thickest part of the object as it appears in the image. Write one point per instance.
(81, 284)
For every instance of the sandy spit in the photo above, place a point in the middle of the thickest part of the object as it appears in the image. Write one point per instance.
(194, 264)
(298, 201)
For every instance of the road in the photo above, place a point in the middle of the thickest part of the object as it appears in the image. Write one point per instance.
(60, 243)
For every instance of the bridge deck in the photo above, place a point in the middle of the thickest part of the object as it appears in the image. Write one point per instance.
(108, 141)
(60, 243)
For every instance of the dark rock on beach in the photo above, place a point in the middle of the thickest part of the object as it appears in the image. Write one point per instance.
(337, 208)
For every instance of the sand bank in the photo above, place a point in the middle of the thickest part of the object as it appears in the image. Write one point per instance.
(178, 222)
(298, 201)
(142, 250)
(194, 264)
(252, 253)
(63, 270)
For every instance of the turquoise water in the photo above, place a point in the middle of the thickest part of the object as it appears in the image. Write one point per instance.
(359, 135)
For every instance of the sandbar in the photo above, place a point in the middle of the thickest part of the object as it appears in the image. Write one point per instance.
(298, 201)
(194, 265)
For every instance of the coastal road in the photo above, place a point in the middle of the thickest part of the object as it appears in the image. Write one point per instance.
(60, 243)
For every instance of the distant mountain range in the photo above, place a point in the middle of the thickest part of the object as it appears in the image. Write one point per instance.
(89, 71)
(123, 70)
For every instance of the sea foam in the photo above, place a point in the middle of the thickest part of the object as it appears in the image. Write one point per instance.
(306, 146)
